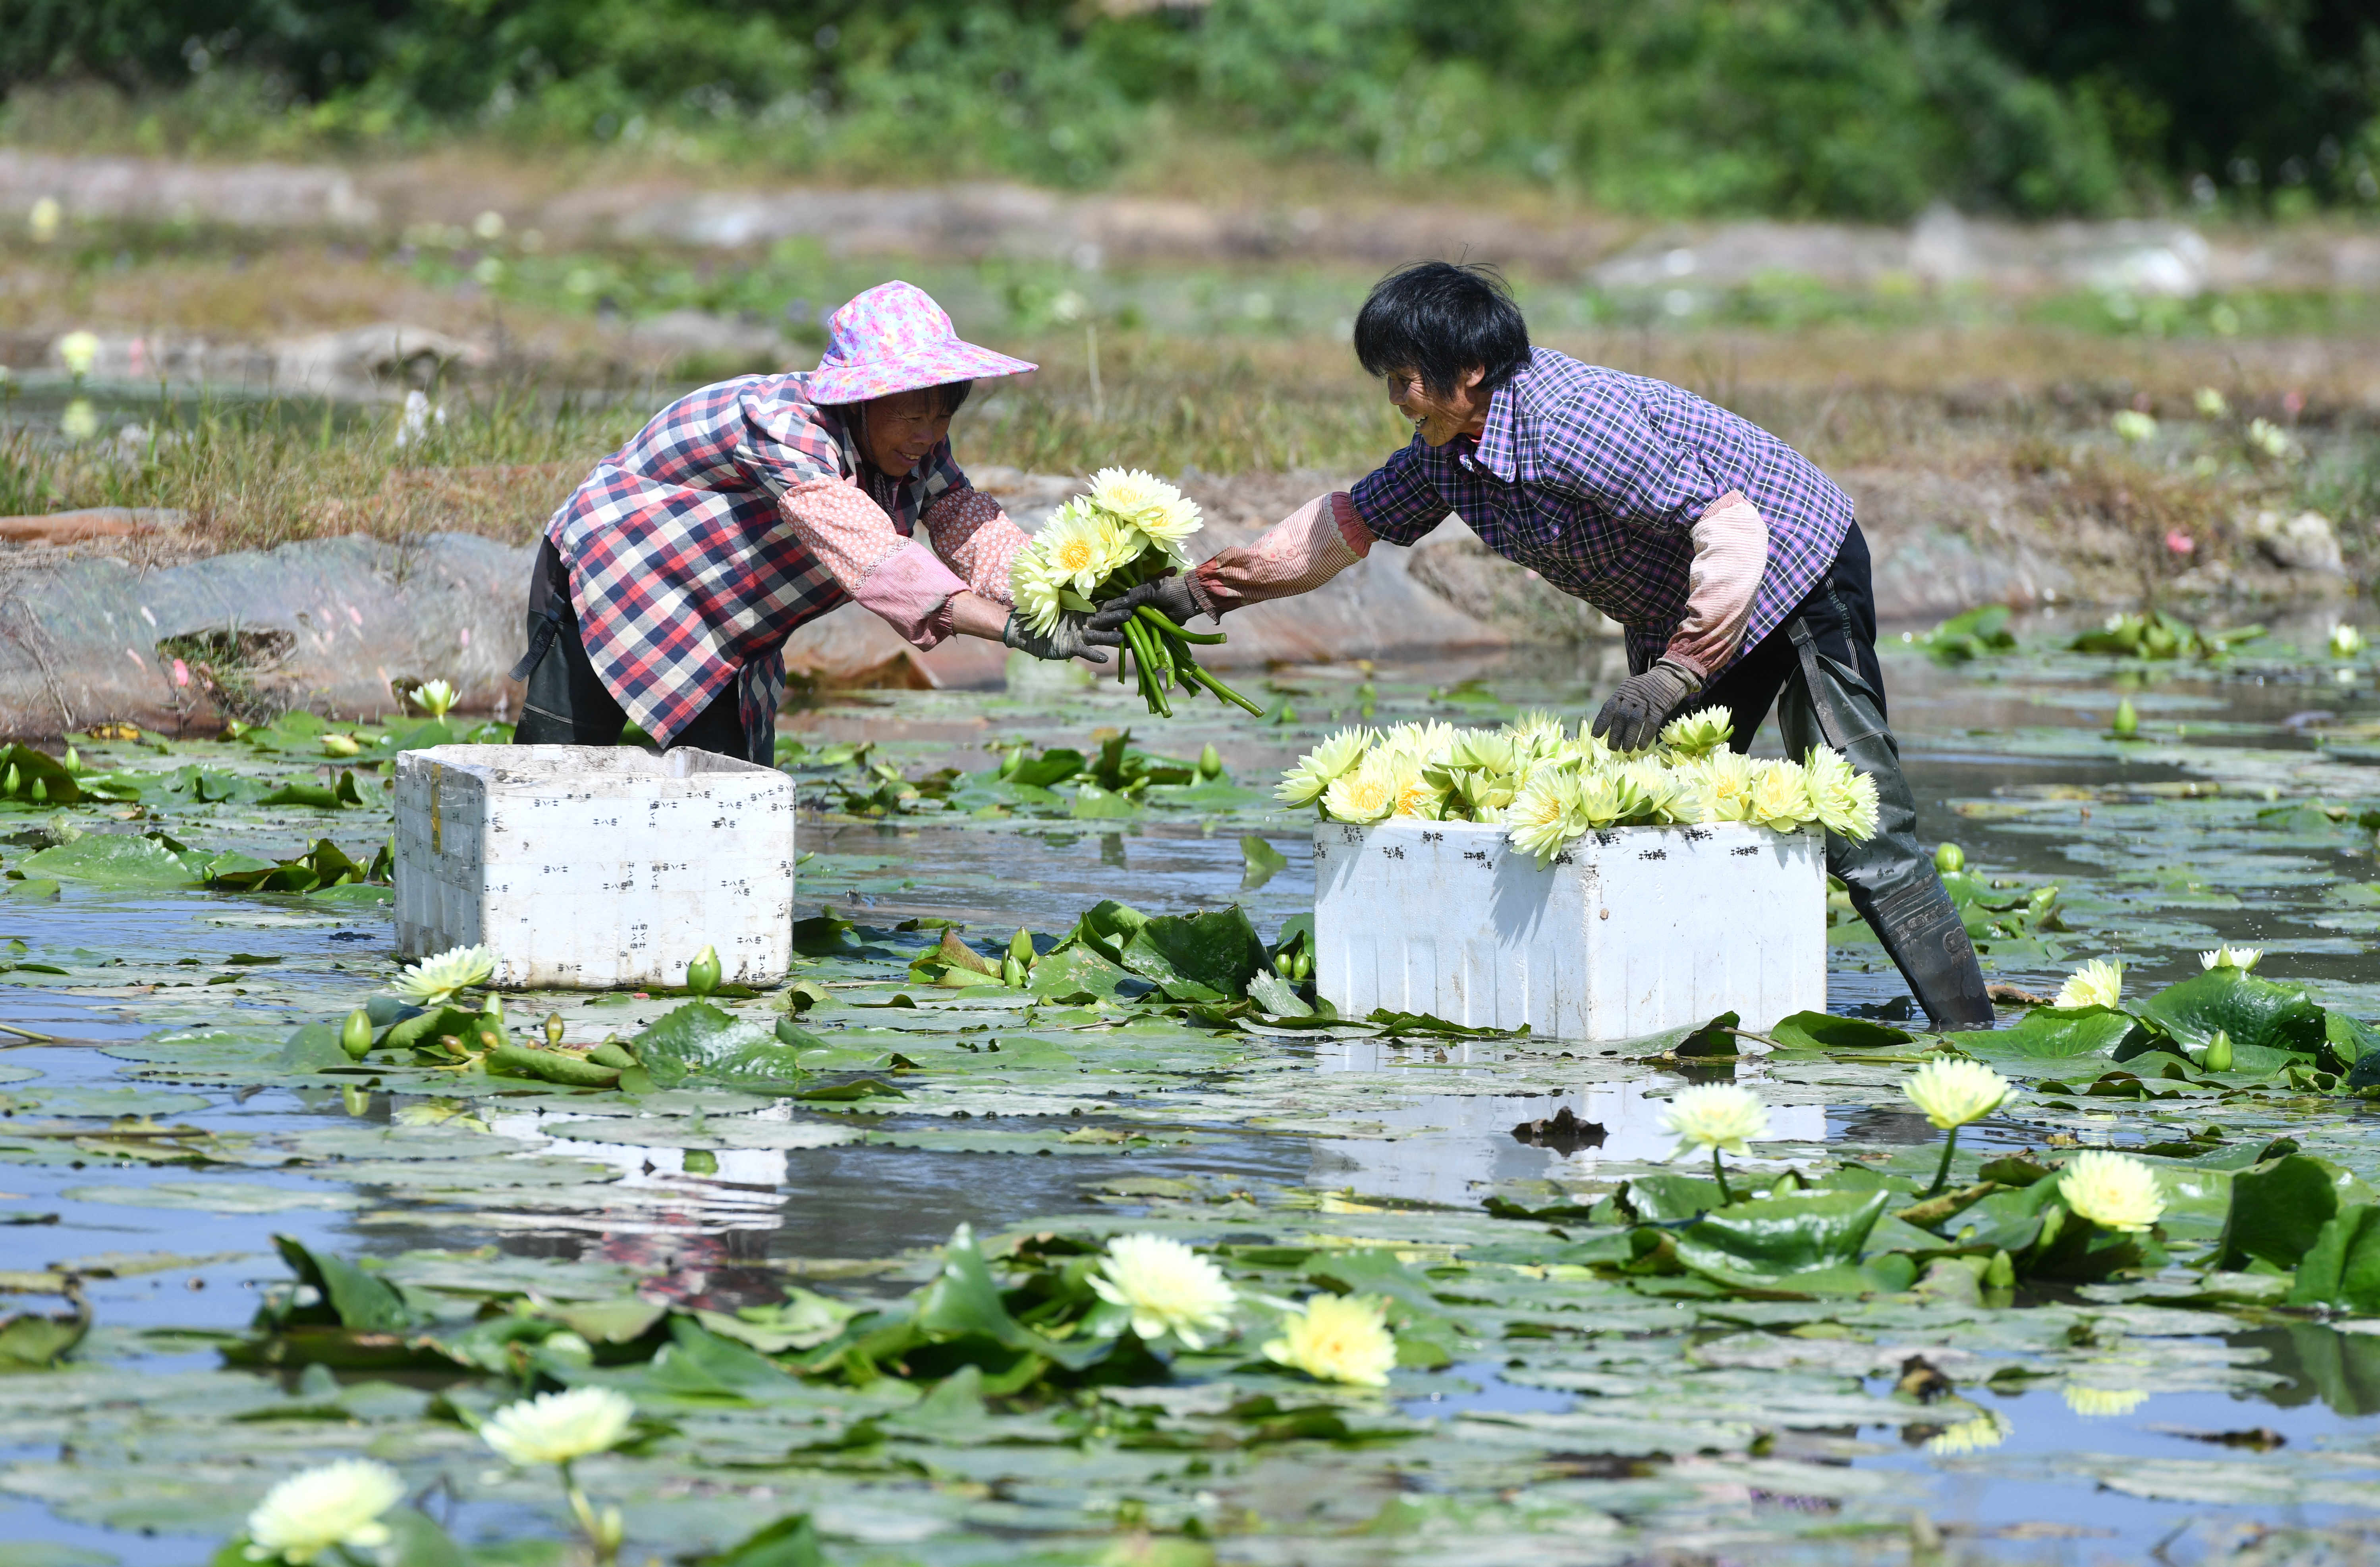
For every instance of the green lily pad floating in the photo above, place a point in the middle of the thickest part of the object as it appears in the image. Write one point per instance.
(113, 860)
(214, 1197)
(2054, 1034)
(2253, 1011)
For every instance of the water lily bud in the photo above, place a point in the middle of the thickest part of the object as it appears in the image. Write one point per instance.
(42, 791)
(1010, 760)
(1012, 972)
(11, 782)
(553, 1028)
(1949, 856)
(356, 1034)
(2001, 1274)
(2218, 1052)
(1020, 947)
(1210, 763)
(702, 974)
(341, 745)
(2127, 721)
(73, 762)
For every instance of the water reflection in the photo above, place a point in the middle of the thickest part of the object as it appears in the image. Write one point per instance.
(1446, 1147)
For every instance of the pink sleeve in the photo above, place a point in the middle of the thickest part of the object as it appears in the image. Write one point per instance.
(1297, 554)
(974, 535)
(1731, 553)
(893, 577)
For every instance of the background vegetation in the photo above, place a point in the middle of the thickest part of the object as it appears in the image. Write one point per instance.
(1863, 108)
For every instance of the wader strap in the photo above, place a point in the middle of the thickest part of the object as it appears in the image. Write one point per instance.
(546, 603)
(1833, 723)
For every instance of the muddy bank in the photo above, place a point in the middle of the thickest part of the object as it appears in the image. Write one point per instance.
(128, 627)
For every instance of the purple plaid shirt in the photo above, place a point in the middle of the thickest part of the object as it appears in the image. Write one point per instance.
(1592, 479)
(686, 573)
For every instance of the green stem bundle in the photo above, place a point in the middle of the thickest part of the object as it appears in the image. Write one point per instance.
(1160, 652)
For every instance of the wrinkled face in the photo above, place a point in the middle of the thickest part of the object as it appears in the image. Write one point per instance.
(1439, 417)
(896, 432)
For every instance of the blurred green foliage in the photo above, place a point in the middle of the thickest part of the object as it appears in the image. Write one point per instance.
(1867, 108)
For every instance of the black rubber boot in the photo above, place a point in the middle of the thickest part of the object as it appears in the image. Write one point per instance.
(1891, 876)
(1920, 926)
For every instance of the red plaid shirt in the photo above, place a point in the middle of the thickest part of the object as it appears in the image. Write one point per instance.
(684, 570)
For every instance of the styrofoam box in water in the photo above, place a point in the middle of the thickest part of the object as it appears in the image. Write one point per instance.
(592, 867)
(1628, 932)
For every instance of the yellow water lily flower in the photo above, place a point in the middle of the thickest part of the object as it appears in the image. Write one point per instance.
(2114, 1191)
(1986, 1430)
(1698, 734)
(1952, 1093)
(2241, 957)
(1781, 797)
(1842, 798)
(1714, 1118)
(1169, 1289)
(2095, 983)
(1545, 814)
(1369, 793)
(1319, 767)
(1147, 503)
(559, 1427)
(434, 980)
(336, 1505)
(1338, 1338)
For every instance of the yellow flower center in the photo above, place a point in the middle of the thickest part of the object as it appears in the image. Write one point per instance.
(1074, 554)
(1366, 796)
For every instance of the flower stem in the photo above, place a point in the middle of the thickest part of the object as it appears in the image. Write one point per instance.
(1226, 692)
(1158, 618)
(1718, 1169)
(1942, 1170)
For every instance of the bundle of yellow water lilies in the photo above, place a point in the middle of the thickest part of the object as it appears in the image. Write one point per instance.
(1128, 528)
(1547, 786)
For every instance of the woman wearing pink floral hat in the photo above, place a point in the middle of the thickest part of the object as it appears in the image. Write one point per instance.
(668, 581)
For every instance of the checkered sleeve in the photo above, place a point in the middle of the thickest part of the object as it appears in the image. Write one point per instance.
(977, 539)
(1396, 500)
(1602, 451)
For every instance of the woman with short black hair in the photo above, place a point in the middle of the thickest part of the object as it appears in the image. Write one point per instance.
(1735, 565)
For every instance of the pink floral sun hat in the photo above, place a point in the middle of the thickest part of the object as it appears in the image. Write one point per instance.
(894, 338)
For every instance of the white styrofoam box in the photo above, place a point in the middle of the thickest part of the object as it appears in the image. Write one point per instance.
(592, 867)
(1628, 932)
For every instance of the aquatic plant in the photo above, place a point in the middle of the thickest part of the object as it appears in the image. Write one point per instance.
(1337, 1338)
(1717, 1118)
(1952, 1093)
(335, 1507)
(433, 697)
(2114, 1191)
(1167, 1289)
(435, 980)
(1127, 529)
(1546, 787)
(2240, 959)
(560, 1429)
(2096, 983)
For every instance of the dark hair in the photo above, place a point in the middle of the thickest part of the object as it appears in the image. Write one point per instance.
(1440, 320)
(949, 398)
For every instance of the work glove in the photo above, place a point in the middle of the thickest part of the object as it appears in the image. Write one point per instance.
(1171, 595)
(1632, 719)
(1072, 637)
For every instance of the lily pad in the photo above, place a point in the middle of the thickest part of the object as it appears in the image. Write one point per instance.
(116, 860)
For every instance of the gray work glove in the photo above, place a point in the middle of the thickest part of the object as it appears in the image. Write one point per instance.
(1072, 637)
(1171, 595)
(1632, 719)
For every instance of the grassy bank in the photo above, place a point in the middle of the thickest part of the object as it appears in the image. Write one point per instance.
(2028, 410)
